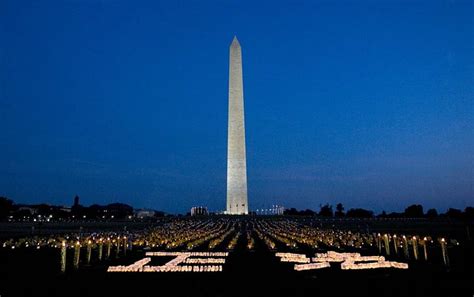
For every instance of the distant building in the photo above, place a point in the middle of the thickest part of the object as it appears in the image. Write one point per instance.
(65, 209)
(76, 201)
(199, 211)
(278, 209)
(27, 209)
(144, 213)
(274, 210)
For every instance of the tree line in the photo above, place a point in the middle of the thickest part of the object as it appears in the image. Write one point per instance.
(77, 211)
(412, 211)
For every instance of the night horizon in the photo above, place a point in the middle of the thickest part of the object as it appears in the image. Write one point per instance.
(361, 104)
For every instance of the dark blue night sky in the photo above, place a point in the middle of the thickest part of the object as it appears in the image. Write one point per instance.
(365, 103)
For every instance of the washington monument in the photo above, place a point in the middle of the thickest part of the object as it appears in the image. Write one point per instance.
(236, 159)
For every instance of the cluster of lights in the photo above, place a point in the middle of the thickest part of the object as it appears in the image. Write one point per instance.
(184, 268)
(178, 260)
(276, 232)
(216, 241)
(274, 210)
(233, 241)
(31, 217)
(135, 267)
(174, 264)
(291, 255)
(293, 258)
(312, 266)
(205, 261)
(332, 256)
(56, 241)
(210, 235)
(184, 233)
(179, 234)
(189, 254)
(270, 243)
(293, 234)
(348, 265)
(250, 241)
(348, 261)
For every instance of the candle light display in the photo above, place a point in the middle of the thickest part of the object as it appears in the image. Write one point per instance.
(125, 245)
(77, 252)
(405, 247)
(348, 261)
(425, 251)
(100, 249)
(109, 247)
(224, 233)
(379, 243)
(311, 266)
(174, 264)
(205, 261)
(63, 256)
(395, 244)
(117, 248)
(414, 242)
(89, 252)
(444, 252)
(386, 244)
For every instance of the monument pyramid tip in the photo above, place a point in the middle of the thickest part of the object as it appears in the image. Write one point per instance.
(235, 40)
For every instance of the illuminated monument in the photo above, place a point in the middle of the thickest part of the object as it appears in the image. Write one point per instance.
(236, 159)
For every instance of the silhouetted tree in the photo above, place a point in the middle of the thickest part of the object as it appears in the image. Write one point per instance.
(326, 211)
(307, 212)
(414, 211)
(290, 212)
(383, 214)
(432, 213)
(6, 205)
(119, 210)
(22, 213)
(44, 209)
(359, 213)
(159, 214)
(295, 212)
(469, 213)
(395, 215)
(78, 211)
(95, 211)
(339, 210)
(454, 213)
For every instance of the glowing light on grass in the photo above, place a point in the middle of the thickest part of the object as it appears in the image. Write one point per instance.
(174, 265)
(348, 261)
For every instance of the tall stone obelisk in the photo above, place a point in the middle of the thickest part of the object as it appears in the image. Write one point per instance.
(236, 158)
